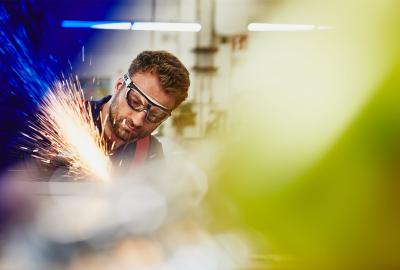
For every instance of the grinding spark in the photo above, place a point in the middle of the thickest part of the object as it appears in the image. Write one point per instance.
(65, 130)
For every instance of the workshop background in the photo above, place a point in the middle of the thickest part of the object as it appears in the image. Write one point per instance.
(293, 117)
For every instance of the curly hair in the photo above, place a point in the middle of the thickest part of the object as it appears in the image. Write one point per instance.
(173, 75)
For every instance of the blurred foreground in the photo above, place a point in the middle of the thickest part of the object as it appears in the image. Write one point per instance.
(306, 178)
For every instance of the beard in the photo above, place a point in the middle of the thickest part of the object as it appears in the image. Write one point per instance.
(123, 127)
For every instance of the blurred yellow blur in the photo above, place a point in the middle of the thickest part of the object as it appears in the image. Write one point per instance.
(313, 159)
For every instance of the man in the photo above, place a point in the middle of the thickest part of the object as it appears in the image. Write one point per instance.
(156, 83)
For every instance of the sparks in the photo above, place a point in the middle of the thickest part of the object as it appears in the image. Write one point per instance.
(66, 130)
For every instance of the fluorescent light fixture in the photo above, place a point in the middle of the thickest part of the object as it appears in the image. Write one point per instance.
(77, 24)
(163, 26)
(112, 25)
(142, 26)
(279, 27)
(274, 27)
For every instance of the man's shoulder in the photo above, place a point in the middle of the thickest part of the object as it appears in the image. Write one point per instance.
(95, 108)
(95, 105)
(155, 148)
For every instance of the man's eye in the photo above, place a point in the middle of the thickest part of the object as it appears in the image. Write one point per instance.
(134, 101)
(157, 113)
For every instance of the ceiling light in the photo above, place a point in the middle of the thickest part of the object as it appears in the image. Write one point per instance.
(114, 25)
(284, 27)
(162, 26)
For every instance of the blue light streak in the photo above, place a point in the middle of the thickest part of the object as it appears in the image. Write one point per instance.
(113, 25)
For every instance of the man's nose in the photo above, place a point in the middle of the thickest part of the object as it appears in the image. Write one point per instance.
(139, 118)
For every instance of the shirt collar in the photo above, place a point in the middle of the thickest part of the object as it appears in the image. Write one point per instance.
(96, 106)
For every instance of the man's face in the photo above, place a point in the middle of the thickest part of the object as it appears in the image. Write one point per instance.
(128, 124)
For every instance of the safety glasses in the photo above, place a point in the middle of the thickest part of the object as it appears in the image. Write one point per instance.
(155, 112)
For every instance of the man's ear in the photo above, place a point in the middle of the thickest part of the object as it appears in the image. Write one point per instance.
(118, 85)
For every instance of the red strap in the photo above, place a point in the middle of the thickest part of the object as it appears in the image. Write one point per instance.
(142, 149)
